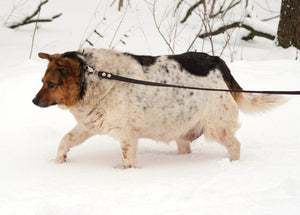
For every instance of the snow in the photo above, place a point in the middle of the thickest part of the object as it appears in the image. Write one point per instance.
(265, 181)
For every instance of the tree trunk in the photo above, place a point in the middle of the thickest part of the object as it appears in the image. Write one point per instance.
(289, 25)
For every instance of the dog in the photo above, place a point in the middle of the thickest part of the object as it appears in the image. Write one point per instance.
(127, 112)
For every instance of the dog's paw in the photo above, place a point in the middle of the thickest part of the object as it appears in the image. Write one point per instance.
(61, 159)
(128, 166)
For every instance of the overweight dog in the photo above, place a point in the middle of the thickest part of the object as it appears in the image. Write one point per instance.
(127, 111)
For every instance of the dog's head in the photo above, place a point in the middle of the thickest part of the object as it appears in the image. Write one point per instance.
(62, 82)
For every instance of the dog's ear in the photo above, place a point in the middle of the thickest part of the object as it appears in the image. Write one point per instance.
(66, 65)
(45, 56)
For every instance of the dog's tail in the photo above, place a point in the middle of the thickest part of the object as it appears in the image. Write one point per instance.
(248, 102)
(254, 103)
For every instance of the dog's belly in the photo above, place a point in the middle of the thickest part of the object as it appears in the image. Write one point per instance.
(172, 113)
(169, 117)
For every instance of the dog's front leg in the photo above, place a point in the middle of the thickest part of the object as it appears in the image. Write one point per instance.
(129, 153)
(75, 137)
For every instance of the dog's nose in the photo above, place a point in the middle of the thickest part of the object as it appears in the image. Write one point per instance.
(36, 101)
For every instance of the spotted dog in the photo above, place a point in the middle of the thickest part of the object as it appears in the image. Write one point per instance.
(128, 111)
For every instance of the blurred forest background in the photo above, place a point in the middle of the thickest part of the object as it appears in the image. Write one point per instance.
(191, 25)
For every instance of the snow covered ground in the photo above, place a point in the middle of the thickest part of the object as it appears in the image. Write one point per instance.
(265, 181)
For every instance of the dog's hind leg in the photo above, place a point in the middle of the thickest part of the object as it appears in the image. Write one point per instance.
(234, 147)
(75, 137)
(222, 124)
(224, 136)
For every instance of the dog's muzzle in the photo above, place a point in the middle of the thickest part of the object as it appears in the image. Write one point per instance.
(38, 102)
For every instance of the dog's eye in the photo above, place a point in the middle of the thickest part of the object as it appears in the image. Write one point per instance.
(51, 84)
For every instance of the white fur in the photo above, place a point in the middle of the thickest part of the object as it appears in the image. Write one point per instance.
(256, 103)
(128, 112)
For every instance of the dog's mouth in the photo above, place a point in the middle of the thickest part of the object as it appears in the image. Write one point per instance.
(42, 104)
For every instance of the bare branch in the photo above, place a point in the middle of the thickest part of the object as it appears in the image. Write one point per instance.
(195, 38)
(112, 3)
(29, 20)
(219, 12)
(178, 5)
(268, 19)
(33, 36)
(231, 5)
(212, 7)
(35, 20)
(100, 35)
(36, 11)
(117, 29)
(83, 40)
(89, 42)
(207, 26)
(120, 4)
(159, 31)
(239, 25)
(223, 12)
(15, 7)
(266, 9)
(189, 12)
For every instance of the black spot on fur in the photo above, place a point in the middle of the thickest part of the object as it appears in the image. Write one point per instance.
(144, 60)
(200, 64)
(72, 55)
(180, 101)
(195, 63)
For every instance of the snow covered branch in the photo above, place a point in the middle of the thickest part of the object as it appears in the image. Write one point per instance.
(253, 32)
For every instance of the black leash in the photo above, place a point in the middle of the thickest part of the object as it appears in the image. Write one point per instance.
(110, 76)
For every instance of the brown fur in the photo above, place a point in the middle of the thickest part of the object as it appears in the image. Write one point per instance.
(64, 72)
(233, 85)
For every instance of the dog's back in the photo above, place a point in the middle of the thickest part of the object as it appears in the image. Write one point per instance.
(129, 112)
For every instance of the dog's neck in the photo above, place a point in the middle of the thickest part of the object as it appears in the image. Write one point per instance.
(93, 88)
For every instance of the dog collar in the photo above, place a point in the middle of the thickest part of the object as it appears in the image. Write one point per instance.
(91, 71)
